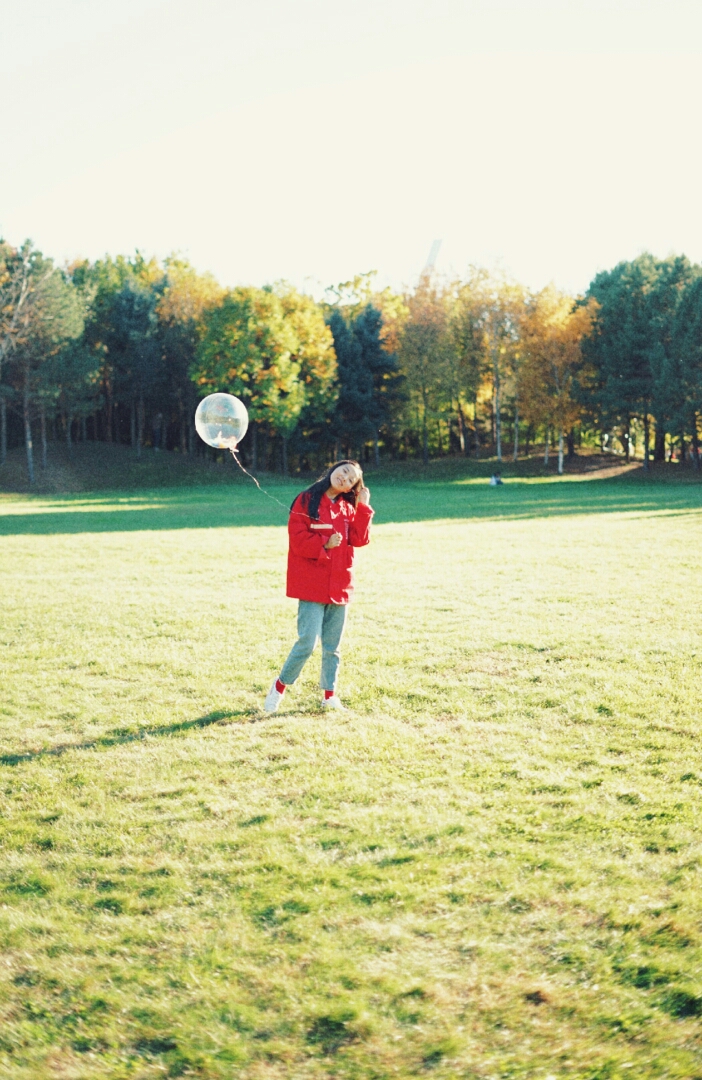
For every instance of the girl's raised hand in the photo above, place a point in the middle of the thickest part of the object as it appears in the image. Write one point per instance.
(364, 496)
(333, 541)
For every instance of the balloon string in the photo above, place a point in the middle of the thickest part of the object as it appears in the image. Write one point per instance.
(263, 490)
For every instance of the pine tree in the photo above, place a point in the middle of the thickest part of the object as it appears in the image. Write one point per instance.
(370, 385)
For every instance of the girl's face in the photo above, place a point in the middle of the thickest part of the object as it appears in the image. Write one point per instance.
(343, 478)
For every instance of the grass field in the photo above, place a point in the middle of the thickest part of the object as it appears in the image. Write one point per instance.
(489, 867)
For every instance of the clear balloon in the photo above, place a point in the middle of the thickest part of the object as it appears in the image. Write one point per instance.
(221, 421)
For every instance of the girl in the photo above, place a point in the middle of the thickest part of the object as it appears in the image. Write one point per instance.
(327, 521)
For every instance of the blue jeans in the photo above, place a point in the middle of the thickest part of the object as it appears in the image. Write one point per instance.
(314, 621)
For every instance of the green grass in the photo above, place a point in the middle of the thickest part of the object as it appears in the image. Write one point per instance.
(488, 868)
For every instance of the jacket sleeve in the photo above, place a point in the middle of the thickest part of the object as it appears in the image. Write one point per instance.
(305, 542)
(359, 529)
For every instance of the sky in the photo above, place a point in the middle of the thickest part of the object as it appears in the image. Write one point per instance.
(312, 140)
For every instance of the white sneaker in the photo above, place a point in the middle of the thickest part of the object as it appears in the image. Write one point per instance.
(273, 698)
(333, 702)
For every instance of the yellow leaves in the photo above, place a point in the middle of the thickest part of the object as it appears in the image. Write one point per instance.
(272, 346)
(187, 294)
(395, 312)
(554, 326)
(351, 297)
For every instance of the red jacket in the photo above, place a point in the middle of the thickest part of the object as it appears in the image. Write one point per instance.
(325, 577)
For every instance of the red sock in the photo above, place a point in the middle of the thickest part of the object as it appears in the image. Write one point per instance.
(280, 686)
(328, 694)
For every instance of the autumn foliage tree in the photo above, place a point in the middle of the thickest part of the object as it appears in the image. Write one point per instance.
(121, 349)
(554, 327)
(486, 337)
(424, 351)
(270, 348)
(469, 355)
(184, 297)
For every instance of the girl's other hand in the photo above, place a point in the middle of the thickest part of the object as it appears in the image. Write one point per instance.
(364, 496)
(333, 541)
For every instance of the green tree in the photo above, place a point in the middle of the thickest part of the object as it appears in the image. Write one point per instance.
(53, 315)
(70, 382)
(386, 380)
(314, 352)
(637, 374)
(252, 347)
(352, 419)
(686, 356)
(670, 358)
(185, 296)
(370, 384)
(369, 323)
(16, 267)
(122, 326)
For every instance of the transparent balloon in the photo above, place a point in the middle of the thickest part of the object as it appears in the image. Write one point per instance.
(221, 421)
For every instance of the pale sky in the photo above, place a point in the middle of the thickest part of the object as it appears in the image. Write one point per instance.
(315, 139)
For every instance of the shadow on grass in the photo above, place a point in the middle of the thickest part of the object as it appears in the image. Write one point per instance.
(239, 507)
(120, 736)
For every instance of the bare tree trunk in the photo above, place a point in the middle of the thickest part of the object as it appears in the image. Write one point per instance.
(3, 431)
(140, 424)
(647, 438)
(515, 455)
(682, 446)
(560, 450)
(108, 432)
(497, 404)
(547, 441)
(69, 425)
(376, 448)
(695, 442)
(425, 433)
(476, 433)
(659, 444)
(570, 441)
(42, 416)
(28, 430)
(461, 430)
(132, 424)
(285, 455)
(83, 429)
(627, 440)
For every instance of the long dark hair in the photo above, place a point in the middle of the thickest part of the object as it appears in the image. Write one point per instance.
(312, 496)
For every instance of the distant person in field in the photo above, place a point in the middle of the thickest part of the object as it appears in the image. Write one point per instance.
(495, 479)
(327, 521)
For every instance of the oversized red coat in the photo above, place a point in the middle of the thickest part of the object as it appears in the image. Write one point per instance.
(325, 577)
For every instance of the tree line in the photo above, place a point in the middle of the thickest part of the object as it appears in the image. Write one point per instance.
(121, 350)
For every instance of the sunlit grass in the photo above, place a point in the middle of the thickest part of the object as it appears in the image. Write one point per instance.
(488, 867)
